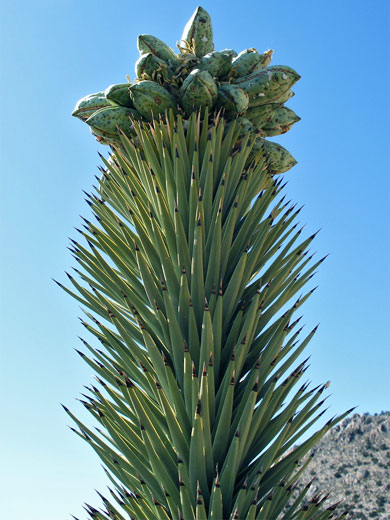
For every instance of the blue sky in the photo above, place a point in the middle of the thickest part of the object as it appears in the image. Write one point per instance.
(53, 53)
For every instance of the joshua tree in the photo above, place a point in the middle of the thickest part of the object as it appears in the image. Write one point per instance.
(191, 279)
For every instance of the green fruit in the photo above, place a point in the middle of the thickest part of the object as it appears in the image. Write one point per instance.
(232, 99)
(281, 121)
(229, 52)
(249, 61)
(261, 114)
(147, 43)
(285, 97)
(272, 132)
(216, 63)
(87, 105)
(245, 126)
(198, 33)
(266, 58)
(198, 91)
(149, 66)
(105, 122)
(102, 138)
(151, 99)
(268, 84)
(120, 94)
(278, 158)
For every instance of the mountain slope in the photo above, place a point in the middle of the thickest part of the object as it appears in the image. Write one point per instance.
(352, 462)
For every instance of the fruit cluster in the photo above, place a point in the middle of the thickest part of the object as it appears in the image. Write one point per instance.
(242, 86)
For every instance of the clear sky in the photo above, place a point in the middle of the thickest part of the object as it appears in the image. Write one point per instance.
(53, 53)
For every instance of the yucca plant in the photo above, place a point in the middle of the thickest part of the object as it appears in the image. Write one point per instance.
(191, 279)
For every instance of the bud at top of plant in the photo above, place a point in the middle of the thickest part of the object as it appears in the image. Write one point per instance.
(198, 33)
(197, 78)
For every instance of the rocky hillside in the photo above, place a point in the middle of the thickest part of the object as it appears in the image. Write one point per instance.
(352, 464)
